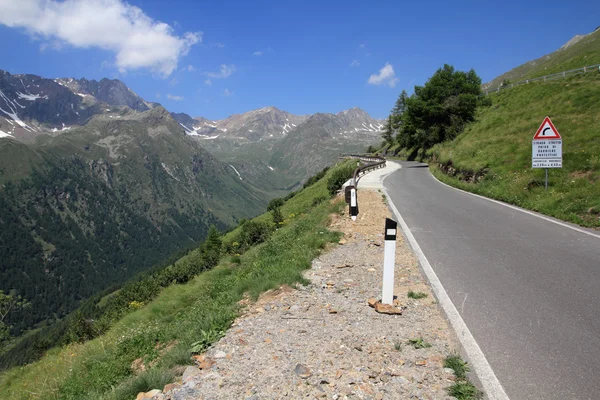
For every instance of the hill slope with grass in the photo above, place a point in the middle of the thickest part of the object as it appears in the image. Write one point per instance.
(171, 313)
(580, 51)
(492, 156)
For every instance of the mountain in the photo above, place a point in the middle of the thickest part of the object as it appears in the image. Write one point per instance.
(95, 205)
(256, 125)
(31, 105)
(260, 144)
(578, 52)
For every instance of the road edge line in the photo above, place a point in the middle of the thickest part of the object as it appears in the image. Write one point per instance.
(483, 370)
(533, 213)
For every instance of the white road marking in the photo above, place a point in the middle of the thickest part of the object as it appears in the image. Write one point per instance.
(522, 210)
(491, 385)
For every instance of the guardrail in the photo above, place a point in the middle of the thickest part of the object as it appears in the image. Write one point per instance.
(375, 162)
(550, 77)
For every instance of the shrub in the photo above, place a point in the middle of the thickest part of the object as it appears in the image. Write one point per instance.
(275, 203)
(339, 177)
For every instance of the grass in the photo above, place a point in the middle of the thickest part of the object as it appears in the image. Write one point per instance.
(462, 389)
(418, 343)
(498, 146)
(416, 295)
(398, 345)
(182, 319)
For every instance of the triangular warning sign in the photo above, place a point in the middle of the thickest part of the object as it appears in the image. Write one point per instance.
(547, 131)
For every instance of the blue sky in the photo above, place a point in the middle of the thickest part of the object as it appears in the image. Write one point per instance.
(216, 58)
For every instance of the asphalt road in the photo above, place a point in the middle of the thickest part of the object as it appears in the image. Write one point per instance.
(527, 289)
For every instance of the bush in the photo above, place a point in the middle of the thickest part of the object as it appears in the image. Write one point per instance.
(339, 177)
(275, 203)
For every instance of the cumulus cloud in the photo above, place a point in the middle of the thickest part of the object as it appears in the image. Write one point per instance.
(137, 40)
(224, 72)
(355, 63)
(208, 82)
(173, 97)
(227, 93)
(386, 76)
(258, 53)
(190, 68)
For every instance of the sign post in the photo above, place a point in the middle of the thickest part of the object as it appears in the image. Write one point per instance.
(353, 204)
(389, 261)
(546, 148)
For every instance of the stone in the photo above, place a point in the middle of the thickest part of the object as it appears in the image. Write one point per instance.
(387, 309)
(345, 266)
(220, 354)
(338, 374)
(170, 387)
(371, 270)
(190, 372)
(294, 308)
(372, 301)
(148, 395)
(342, 241)
(421, 363)
(302, 371)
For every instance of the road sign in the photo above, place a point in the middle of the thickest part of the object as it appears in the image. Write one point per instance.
(546, 131)
(546, 146)
(546, 153)
(353, 204)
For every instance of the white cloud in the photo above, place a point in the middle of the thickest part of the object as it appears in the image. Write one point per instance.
(173, 97)
(208, 82)
(137, 40)
(361, 46)
(224, 72)
(158, 95)
(258, 53)
(386, 76)
(190, 68)
(355, 63)
(227, 93)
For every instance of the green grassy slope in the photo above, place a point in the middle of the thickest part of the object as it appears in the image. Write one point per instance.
(583, 53)
(162, 332)
(498, 145)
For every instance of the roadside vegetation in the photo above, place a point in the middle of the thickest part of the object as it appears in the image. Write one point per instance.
(462, 389)
(482, 144)
(159, 320)
(493, 155)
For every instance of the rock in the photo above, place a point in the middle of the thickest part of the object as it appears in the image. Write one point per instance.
(267, 307)
(332, 311)
(387, 309)
(302, 371)
(186, 393)
(421, 363)
(170, 387)
(345, 266)
(206, 363)
(220, 354)
(401, 380)
(372, 301)
(148, 395)
(190, 372)
(294, 308)
(338, 374)
(371, 270)
(449, 371)
(342, 241)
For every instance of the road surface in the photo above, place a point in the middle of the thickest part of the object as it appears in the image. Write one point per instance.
(527, 288)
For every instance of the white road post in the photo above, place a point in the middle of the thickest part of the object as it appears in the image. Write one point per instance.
(353, 204)
(389, 261)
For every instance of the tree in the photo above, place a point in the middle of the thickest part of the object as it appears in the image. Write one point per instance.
(211, 248)
(8, 304)
(388, 130)
(398, 110)
(439, 110)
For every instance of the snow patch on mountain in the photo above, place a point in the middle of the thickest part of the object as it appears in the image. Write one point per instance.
(236, 171)
(28, 96)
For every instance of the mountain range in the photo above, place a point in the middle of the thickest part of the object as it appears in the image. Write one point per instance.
(98, 184)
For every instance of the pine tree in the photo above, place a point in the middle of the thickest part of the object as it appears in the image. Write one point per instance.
(398, 110)
(388, 130)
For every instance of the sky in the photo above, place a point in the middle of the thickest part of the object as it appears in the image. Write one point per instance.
(217, 58)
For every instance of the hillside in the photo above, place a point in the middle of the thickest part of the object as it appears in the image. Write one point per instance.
(97, 204)
(580, 51)
(186, 316)
(493, 155)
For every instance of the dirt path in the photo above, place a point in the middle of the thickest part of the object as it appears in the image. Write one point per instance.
(323, 340)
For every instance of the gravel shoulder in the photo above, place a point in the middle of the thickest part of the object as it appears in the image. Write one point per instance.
(323, 340)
